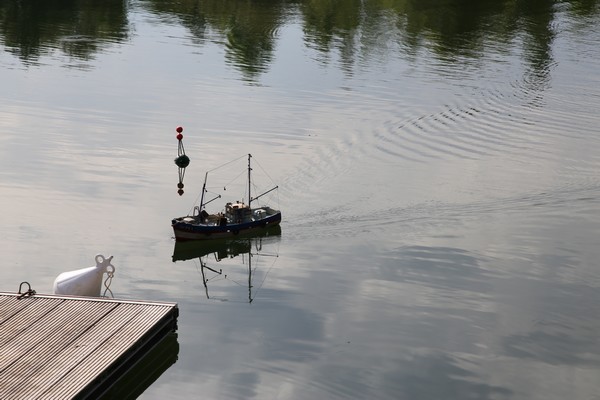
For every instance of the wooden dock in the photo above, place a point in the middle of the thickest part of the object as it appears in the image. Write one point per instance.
(59, 347)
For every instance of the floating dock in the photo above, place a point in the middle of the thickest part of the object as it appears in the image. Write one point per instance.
(61, 347)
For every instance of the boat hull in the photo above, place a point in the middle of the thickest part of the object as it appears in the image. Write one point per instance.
(185, 230)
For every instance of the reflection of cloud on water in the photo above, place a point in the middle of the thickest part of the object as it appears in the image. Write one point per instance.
(435, 280)
(412, 322)
(404, 374)
(241, 385)
(553, 348)
(247, 348)
(299, 332)
(439, 267)
(565, 330)
(436, 375)
(518, 332)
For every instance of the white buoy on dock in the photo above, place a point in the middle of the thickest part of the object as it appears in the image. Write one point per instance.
(85, 281)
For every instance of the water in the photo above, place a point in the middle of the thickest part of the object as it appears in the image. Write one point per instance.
(438, 170)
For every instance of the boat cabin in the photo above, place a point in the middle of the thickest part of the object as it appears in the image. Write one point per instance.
(237, 212)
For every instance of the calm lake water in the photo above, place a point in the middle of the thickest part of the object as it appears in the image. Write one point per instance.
(438, 165)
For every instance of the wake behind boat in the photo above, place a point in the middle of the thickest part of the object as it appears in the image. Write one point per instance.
(236, 218)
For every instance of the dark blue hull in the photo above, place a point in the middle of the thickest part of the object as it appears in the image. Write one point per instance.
(189, 229)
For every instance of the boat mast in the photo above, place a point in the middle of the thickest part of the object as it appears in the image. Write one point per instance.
(203, 191)
(249, 184)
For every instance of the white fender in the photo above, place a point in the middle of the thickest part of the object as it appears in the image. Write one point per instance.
(85, 281)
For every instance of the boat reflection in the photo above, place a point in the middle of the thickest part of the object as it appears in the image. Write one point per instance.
(249, 252)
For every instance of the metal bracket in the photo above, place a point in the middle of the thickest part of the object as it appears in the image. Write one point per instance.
(30, 292)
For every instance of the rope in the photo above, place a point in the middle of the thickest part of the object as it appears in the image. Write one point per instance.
(110, 272)
(107, 283)
(227, 163)
(210, 186)
(263, 170)
(234, 179)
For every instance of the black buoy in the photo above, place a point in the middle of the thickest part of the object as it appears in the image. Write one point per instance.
(182, 161)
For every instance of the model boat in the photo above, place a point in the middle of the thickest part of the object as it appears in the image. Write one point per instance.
(236, 218)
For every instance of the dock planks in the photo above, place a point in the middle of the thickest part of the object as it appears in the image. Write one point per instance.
(60, 347)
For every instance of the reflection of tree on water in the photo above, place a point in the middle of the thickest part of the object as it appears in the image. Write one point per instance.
(248, 29)
(247, 251)
(358, 30)
(354, 31)
(537, 18)
(30, 29)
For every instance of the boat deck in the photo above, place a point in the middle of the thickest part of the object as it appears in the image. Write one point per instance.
(61, 347)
